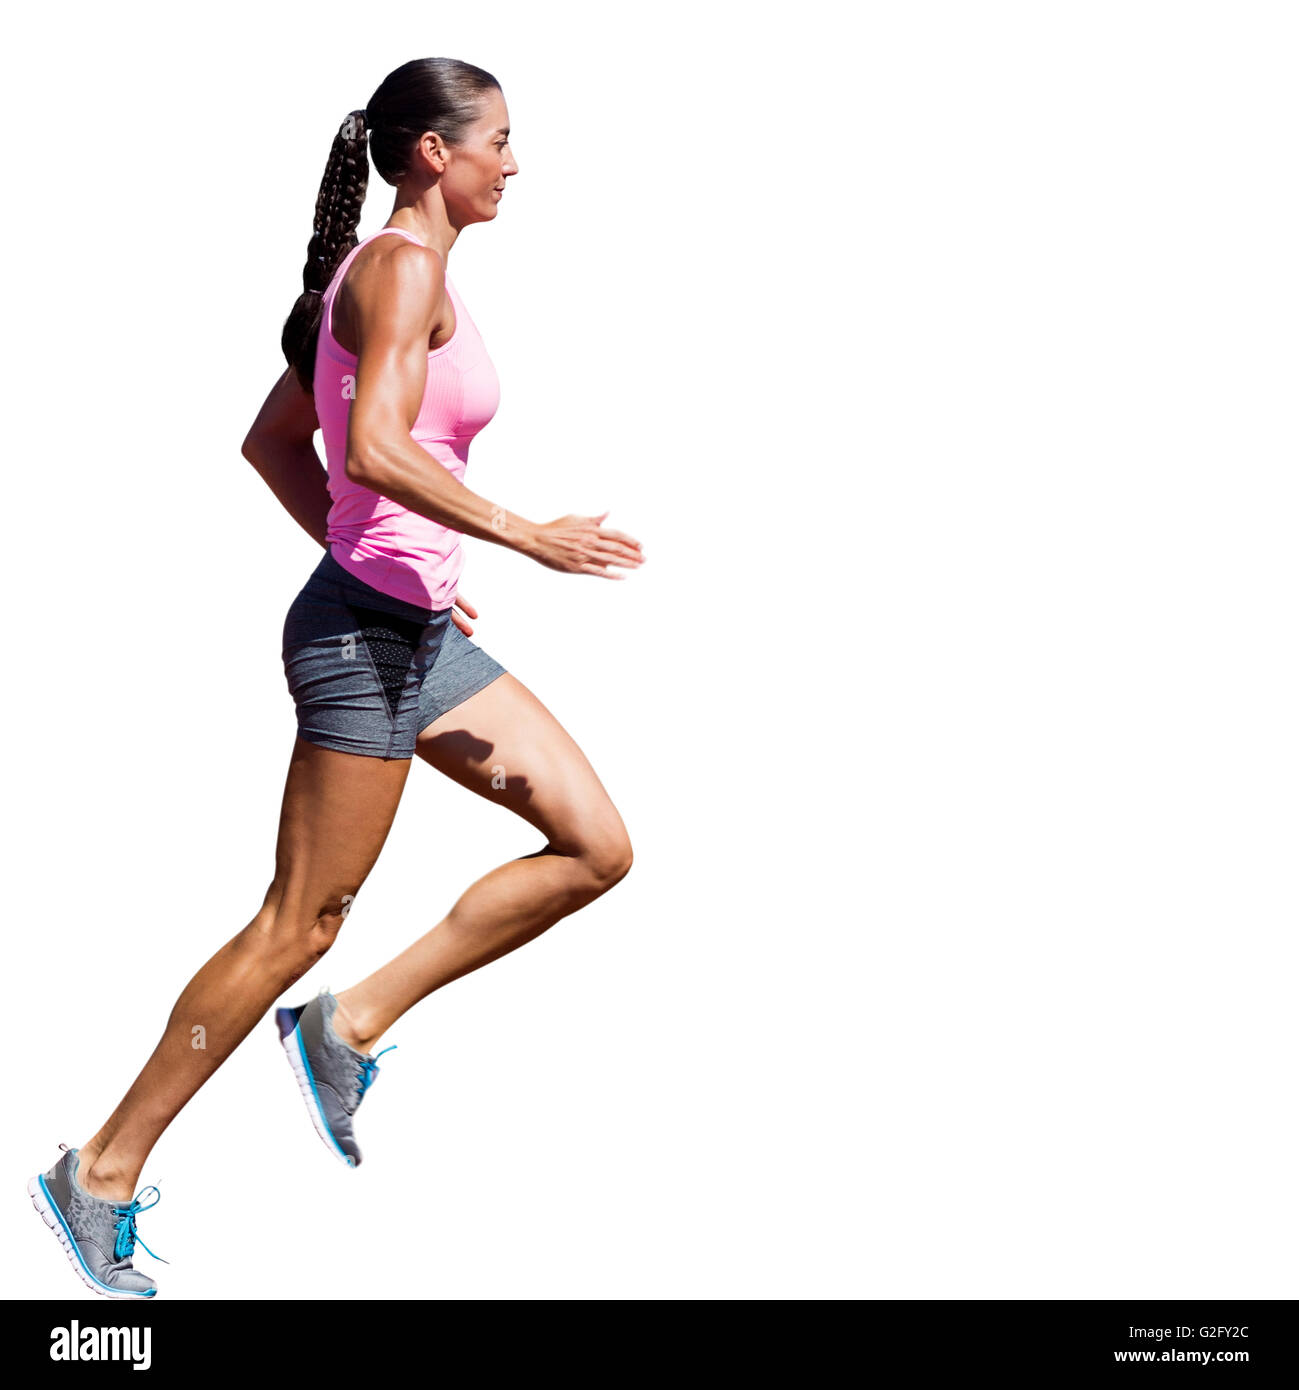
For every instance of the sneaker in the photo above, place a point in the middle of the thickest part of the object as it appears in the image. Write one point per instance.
(332, 1076)
(97, 1235)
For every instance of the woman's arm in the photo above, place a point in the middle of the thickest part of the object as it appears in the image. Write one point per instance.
(397, 298)
(280, 447)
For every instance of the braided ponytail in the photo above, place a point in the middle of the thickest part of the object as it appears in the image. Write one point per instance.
(338, 211)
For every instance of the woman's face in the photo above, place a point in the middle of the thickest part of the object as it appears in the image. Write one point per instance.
(474, 179)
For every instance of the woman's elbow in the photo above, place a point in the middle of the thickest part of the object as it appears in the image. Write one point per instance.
(253, 447)
(363, 462)
(359, 467)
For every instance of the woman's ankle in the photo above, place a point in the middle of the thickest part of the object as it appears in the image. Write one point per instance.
(352, 1026)
(102, 1176)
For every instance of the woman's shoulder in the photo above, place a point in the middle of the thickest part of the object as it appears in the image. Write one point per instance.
(389, 275)
(397, 254)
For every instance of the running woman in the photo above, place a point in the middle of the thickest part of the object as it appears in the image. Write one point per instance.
(384, 358)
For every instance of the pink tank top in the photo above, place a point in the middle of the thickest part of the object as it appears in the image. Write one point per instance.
(382, 543)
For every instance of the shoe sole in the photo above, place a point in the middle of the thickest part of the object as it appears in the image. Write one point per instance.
(53, 1218)
(286, 1024)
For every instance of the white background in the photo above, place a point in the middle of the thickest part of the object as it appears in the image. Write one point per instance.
(942, 356)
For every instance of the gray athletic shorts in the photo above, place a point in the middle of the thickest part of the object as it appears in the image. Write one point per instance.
(368, 671)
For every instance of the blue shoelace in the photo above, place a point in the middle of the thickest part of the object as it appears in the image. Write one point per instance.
(369, 1068)
(127, 1235)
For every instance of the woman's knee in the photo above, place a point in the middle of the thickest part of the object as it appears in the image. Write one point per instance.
(606, 855)
(294, 936)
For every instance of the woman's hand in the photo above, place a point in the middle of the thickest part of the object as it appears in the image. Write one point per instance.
(580, 545)
(469, 611)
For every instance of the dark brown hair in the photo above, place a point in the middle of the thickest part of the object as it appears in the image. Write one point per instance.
(439, 94)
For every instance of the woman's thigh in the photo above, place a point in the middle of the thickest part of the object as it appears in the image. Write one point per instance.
(336, 813)
(506, 746)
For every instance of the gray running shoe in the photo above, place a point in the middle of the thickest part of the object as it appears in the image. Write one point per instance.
(332, 1076)
(98, 1236)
